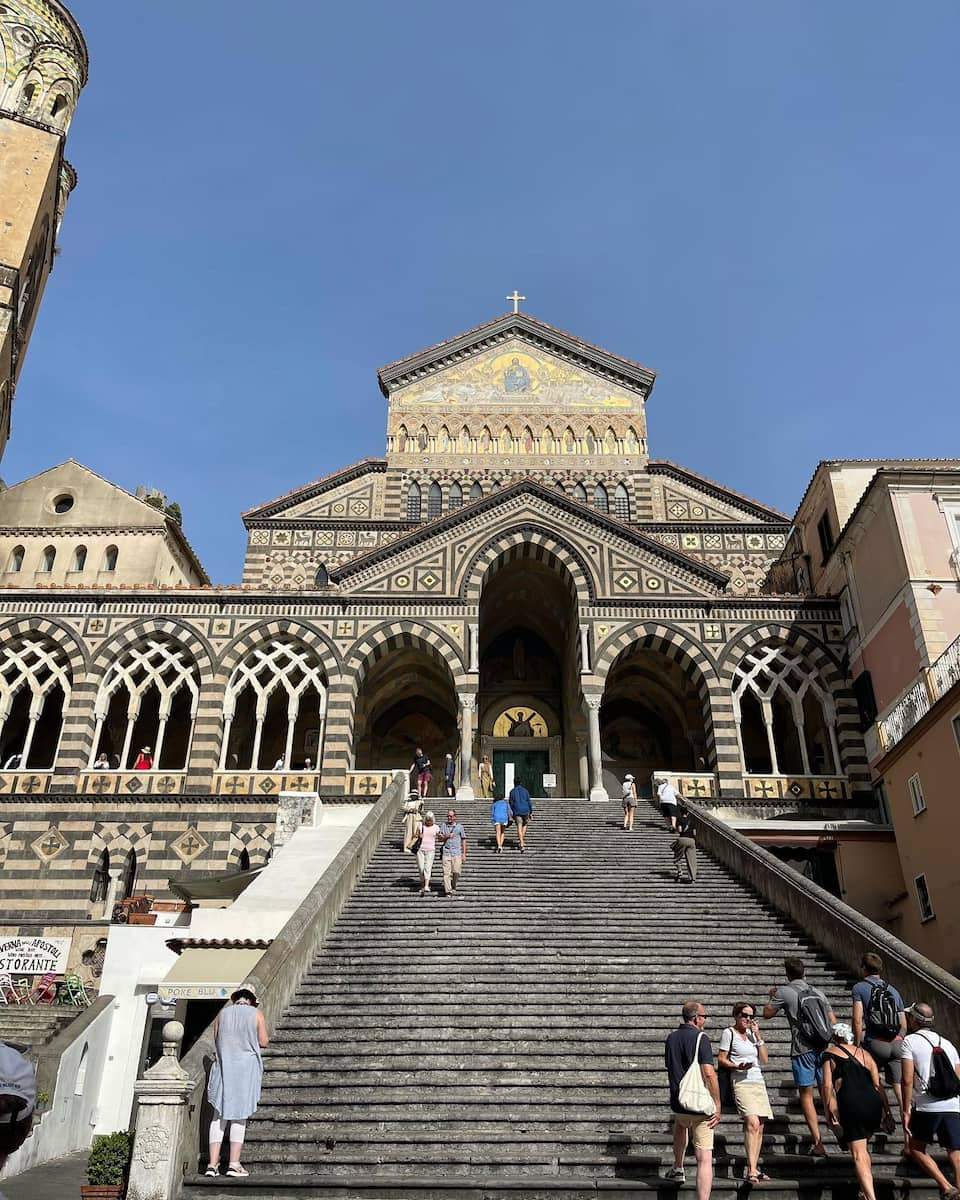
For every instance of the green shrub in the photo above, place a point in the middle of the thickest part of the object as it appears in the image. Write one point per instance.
(109, 1158)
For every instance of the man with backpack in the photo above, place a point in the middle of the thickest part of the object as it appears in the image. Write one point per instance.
(931, 1096)
(878, 1021)
(811, 1023)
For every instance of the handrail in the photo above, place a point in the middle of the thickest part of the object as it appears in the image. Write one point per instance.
(279, 972)
(842, 931)
(922, 695)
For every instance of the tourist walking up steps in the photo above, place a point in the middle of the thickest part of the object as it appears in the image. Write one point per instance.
(240, 1032)
(694, 1095)
(500, 817)
(854, 1101)
(669, 799)
(684, 846)
(743, 1052)
(421, 764)
(427, 833)
(449, 776)
(629, 789)
(522, 808)
(931, 1096)
(811, 1020)
(879, 1022)
(453, 838)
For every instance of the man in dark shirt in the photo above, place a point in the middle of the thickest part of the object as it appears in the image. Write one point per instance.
(449, 776)
(521, 807)
(884, 1045)
(679, 1051)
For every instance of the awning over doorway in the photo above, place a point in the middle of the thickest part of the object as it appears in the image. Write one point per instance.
(211, 885)
(208, 974)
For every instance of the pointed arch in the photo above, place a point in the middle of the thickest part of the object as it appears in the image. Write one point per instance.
(443, 440)
(414, 501)
(434, 500)
(580, 493)
(601, 501)
(402, 437)
(423, 439)
(36, 683)
(621, 503)
(526, 541)
(395, 635)
(569, 441)
(464, 440)
(476, 491)
(15, 562)
(590, 443)
(610, 441)
(506, 440)
(527, 443)
(632, 441)
(486, 440)
(547, 445)
(454, 497)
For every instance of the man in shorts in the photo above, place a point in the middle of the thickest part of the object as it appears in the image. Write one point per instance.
(669, 799)
(453, 838)
(804, 1055)
(522, 808)
(421, 764)
(629, 789)
(679, 1050)
(884, 1045)
(926, 1118)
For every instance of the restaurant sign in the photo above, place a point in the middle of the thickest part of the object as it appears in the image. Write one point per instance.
(34, 955)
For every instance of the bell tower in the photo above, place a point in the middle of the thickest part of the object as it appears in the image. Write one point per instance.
(43, 66)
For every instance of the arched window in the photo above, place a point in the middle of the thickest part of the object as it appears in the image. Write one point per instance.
(454, 497)
(322, 576)
(580, 493)
(16, 559)
(35, 685)
(81, 1079)
(434, 500)
(26, 97)
(128, 880)
(559, 486)
(58, 105)
(100, 884)
(621, 502)
(148, 699)
(48, 558)
(243, 863)
(600, 500)
(274, 708)
(79, 558)
(413, 502)
(110, 556)
(786, 719)
(476, 491)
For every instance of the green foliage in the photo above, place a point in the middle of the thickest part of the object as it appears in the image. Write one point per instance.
(109, 1158)
(173, 510)
(154, 501)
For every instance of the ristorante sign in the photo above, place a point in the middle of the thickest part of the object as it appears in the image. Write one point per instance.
(34, 955)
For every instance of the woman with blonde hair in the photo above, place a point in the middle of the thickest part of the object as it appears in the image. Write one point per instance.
(486, 778)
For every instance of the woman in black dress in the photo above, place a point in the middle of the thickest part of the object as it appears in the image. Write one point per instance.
(854, 1100)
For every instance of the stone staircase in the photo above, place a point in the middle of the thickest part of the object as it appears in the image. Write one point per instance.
(33, 1025)
(510, 1042)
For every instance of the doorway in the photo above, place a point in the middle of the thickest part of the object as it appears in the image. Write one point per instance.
(530, 766)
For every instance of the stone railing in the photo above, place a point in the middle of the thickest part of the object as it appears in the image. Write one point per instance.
(171, 1110)
(131, 783)
(823, 788)
(735, 808)
(917, 702)
(697, 785)
(843, 932)
(369, 784)
(25, 783)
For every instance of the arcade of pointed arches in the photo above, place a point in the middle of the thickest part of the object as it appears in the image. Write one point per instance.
(575, 437)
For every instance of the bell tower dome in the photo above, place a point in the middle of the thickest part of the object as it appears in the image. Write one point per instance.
(43, 66)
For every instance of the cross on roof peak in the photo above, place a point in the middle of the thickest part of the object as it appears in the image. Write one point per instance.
(516, 298)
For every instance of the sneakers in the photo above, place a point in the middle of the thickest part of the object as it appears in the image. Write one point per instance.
(676, 1175)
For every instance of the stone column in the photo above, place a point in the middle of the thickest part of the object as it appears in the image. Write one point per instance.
(583, 763)
(163, 1097)
(598, 792)
(585, 667)
(473, 639)
(468, 703)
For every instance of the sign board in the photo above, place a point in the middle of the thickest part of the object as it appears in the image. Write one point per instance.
(170, 993)
(549, 781)
(34, 955)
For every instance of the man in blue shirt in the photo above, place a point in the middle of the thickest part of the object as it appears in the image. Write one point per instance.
(679, 1051)
(521, 807)
(454, 838)
(883, 1042)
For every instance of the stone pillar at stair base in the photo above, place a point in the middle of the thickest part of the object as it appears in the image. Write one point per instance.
(598, 793)
(468, 703)
(163, 1098)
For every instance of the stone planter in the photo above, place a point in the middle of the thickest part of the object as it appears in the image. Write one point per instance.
(149, 918)
(171, 906)
(101, 1191)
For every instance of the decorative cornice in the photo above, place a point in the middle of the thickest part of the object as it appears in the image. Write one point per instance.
(309, 491)
(719, 491)
(537, 333)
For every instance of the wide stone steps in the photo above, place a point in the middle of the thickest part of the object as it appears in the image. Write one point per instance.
(510, 1042)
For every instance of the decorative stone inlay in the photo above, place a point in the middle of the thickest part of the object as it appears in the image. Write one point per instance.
(189, 845)
(153, 1146)
(48, 845)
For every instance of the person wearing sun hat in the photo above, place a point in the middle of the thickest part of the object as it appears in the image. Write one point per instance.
(18, 1099)
(629, 788)
(144, 760)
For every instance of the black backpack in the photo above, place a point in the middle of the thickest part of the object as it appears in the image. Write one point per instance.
(942, 1082)
(882, 1013)
(813, 1016)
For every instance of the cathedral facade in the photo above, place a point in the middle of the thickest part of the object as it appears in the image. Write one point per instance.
(515, 577)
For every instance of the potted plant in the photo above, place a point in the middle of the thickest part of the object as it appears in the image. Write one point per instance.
(107, 1166)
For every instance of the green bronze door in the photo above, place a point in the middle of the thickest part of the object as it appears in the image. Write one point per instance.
(529, 766)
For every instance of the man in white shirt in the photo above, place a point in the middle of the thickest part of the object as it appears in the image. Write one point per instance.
(926, 1116)
(669, 800)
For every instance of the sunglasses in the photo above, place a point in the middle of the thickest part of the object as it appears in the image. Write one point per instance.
(746, 1016)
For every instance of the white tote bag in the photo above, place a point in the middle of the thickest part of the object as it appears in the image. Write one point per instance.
(693, 1093)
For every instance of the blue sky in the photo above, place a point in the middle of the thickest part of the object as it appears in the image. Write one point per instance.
(759, 200)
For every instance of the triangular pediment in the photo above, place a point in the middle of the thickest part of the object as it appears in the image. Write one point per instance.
(519, 357)
(351, 493)
(617, 561)
(680, 494)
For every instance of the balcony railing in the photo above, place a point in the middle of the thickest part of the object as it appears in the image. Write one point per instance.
(924, 694)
